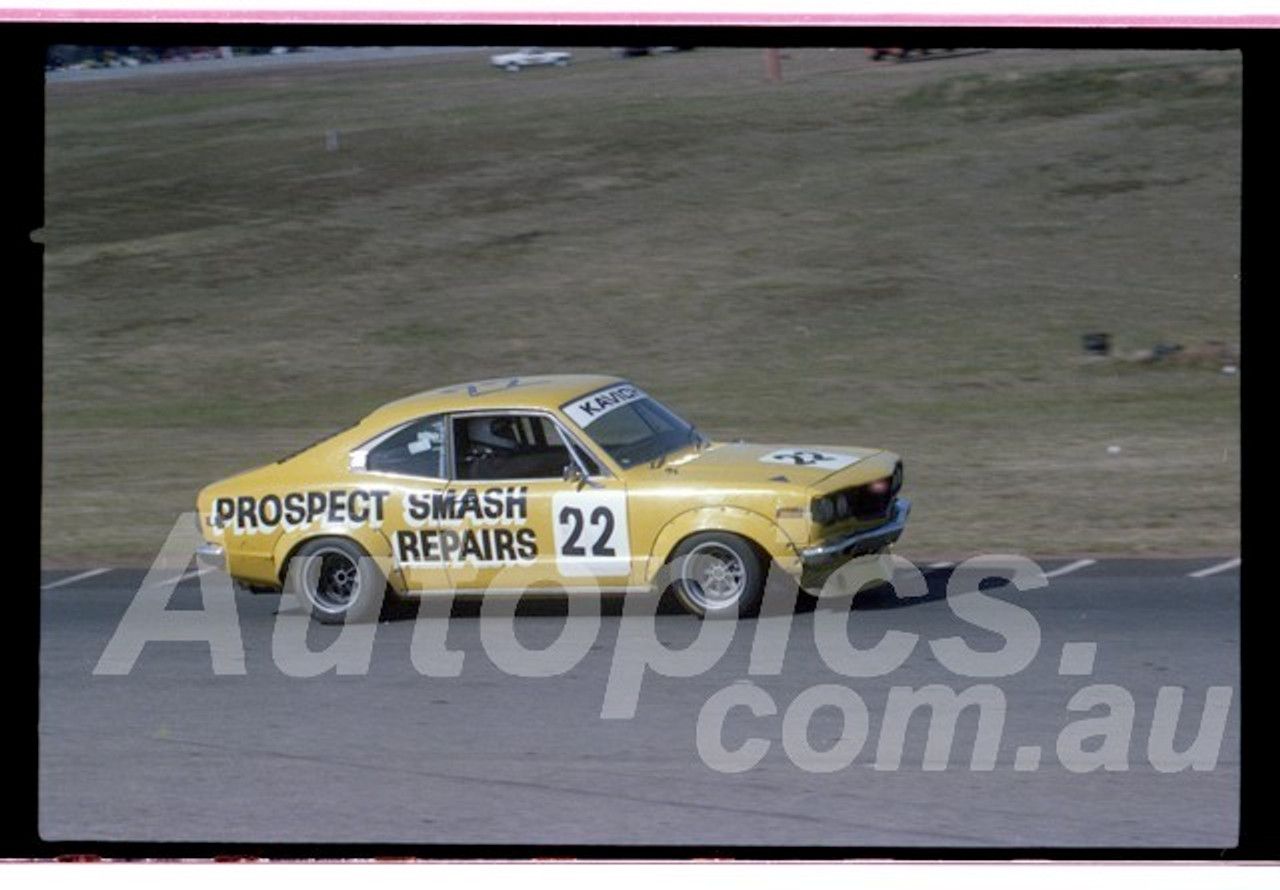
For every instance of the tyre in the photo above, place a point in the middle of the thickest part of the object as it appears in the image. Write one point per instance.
(717, 574)
(513, 67)
(336, 581)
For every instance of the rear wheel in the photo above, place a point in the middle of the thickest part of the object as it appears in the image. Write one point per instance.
(336, 581)
(716, 573)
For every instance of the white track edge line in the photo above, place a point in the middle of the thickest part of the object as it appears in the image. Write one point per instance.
(1213, 570)
(92, 573)
(1070, 567)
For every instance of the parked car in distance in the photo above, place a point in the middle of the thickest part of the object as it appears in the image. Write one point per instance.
(626, 52)
(530, 57)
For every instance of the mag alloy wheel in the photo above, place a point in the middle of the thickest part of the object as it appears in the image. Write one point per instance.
(336, 581)
(718, 573)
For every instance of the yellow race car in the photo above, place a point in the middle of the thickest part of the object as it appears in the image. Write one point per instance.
(576, 483)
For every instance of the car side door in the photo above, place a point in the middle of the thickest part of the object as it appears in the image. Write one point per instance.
(531, 508)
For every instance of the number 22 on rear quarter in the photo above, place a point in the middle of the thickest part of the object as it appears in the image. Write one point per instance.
(591, 534)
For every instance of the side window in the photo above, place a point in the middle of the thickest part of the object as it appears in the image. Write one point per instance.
(508, 446)
(416, 450)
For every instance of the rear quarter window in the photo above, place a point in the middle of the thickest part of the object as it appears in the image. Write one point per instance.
(415, 450)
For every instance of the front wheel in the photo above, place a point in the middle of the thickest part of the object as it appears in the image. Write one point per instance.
(718, 574)
(336, 581)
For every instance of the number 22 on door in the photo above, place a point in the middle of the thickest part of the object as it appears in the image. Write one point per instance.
(591, 534)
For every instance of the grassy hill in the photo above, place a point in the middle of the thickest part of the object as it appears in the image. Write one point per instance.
(885, 254)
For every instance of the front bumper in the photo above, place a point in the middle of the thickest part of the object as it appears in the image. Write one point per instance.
(871, 540)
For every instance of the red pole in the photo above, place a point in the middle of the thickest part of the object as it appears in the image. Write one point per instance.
(773, 65)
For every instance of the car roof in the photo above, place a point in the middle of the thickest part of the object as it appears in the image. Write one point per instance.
(537, 391)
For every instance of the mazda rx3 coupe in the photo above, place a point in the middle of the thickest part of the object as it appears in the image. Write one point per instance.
(573, 483)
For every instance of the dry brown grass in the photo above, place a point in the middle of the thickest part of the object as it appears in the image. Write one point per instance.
(902, 255)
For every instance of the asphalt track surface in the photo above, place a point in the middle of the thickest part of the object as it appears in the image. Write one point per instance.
(172, 751)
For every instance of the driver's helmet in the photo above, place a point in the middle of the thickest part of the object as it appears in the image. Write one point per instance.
(498, 432)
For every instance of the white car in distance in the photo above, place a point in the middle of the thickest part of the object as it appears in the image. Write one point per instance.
(530, 56)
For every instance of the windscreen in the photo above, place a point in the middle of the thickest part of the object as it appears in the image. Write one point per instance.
(630, 426)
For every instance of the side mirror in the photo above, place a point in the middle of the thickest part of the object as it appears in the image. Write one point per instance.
(573, 473)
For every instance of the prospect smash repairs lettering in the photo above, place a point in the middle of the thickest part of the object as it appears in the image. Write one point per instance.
(498, 505)
(298, 508)
(481, 545)
(509, 504)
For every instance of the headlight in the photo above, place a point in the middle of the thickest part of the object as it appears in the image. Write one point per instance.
(843, 507)
(823, 510)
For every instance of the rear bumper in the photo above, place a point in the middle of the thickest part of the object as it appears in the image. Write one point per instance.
(212, 555)
(871, 540)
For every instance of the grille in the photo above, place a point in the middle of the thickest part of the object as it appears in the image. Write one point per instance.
(870, 500)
